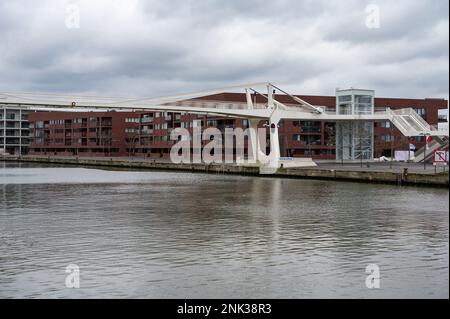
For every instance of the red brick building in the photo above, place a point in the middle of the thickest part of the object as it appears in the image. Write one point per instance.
(81, 133)
(148, 133)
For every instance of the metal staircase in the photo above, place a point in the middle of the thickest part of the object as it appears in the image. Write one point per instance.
(437, 143)
(409, 122)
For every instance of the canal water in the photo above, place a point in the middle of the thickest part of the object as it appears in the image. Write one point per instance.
(155, 234)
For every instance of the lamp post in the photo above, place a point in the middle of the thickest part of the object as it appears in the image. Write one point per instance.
(391, 137)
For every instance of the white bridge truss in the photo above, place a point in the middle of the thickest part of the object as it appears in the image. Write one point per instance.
(406, 120)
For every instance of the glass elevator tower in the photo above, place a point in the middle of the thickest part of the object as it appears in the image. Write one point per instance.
(354, 139)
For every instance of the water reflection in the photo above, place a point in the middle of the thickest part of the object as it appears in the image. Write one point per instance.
(176, 235)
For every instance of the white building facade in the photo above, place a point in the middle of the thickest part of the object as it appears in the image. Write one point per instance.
(14, 129)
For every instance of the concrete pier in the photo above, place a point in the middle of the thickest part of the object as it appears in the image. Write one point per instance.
(398, 174)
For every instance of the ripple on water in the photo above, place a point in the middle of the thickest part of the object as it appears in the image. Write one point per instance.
(167, 235)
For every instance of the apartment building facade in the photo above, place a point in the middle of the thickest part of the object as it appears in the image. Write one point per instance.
(81, 133)
(147, 134)
(14, 129)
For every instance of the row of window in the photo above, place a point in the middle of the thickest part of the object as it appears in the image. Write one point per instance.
(391, 138)
(13, 116)
(78, 120)
(307, 139)
(77, 130)
(80, 150)
(147, 118)
(56, 122)
(387, 138)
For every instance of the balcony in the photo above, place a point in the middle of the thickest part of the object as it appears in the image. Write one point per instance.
(106, 121)
(149, 131)
(147, 119)
(12, 141)
(14, 133)
(311, 129)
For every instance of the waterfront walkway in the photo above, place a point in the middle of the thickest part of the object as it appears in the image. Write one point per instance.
(399, 173)
(397, 167)
(371, 166)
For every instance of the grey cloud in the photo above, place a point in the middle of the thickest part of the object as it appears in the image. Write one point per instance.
(151, 48)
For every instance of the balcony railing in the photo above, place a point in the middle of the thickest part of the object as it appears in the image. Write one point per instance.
(311, 130)
(146, 119)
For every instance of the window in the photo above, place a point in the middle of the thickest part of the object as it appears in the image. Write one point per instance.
(296, 137)
(311, 152)
(311, 139)
(132, 120)
(345, 98)
(367, 99)
(212, 123)
(345, 108)
(146, 118)
(387, 138)
(386, 124)
(420, 110)
(442, 115)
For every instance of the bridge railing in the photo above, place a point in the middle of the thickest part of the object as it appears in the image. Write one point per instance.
(218, 104)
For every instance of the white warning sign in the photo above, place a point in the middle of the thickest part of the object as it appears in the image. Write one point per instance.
(440, 157)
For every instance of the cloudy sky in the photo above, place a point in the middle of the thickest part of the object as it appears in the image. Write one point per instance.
(157, 47)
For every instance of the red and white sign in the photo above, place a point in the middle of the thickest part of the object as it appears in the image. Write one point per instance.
(440, 157)
(428, 141)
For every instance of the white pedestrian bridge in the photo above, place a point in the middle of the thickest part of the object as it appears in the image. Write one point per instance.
(272, 111)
